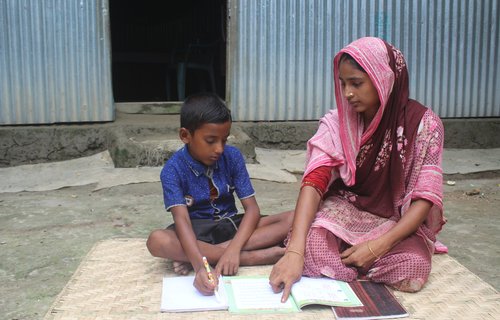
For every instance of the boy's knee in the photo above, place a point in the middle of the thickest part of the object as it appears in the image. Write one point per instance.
(288, 218)
(156, 241)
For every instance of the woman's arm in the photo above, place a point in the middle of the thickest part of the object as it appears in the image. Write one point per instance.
(288, 269)
(432, 136)
(407, 225)
(417, 213)
(364, 254)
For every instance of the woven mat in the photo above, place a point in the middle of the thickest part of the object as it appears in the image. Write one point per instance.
(120, 280)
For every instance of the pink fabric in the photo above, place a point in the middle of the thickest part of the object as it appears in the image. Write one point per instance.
(402, 135)
(371, 54)
(440, 247)
(406, 267)
(324, 149)
(340, 216)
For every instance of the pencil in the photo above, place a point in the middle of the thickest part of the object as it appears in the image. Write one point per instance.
(210, 277)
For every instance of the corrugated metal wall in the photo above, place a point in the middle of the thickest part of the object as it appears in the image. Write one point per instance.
(280, 53)
(55, 61)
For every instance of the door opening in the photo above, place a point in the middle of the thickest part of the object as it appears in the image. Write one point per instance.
(166, 50)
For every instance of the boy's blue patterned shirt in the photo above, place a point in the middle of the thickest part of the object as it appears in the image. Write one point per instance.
(185, 182)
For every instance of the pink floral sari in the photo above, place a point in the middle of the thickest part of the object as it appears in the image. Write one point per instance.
(376, 174)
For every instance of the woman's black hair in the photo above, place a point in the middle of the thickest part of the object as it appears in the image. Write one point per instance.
(202, 108)
(347, 57)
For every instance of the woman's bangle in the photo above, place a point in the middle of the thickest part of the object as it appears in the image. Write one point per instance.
(369, 248)
(296, 252)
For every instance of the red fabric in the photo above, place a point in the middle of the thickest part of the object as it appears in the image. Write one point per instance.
(319, 178)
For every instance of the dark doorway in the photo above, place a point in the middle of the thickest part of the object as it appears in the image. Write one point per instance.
(165, 50)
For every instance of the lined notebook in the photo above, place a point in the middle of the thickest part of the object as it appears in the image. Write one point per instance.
(179, 295)
(253, 294)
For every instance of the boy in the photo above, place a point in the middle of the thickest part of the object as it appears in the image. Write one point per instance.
(198, 185)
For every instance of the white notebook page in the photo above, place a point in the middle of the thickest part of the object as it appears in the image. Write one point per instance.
(257, 294)
(179, 295)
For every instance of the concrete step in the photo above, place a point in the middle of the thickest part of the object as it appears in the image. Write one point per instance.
(152, 149)
(137, 139)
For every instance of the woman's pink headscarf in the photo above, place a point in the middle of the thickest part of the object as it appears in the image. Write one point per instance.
(371, 54)
(392, 132)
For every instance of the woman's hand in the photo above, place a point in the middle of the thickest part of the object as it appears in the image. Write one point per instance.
(362, 255)
(288, 269)
(285, 273)
(203, 284)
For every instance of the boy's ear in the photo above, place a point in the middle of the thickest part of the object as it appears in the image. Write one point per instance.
(184, 135)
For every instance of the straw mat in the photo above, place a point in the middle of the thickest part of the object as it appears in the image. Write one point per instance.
(120, 280)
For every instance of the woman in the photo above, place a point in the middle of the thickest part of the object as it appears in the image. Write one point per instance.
(370, 204)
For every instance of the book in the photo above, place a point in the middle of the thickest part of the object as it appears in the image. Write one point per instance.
(378, 303)
(253, 294)
(179, 295)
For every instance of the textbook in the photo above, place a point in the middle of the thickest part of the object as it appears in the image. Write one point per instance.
(253, 294)
(378, 303)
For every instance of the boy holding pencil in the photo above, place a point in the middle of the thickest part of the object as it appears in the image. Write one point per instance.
(199, 182)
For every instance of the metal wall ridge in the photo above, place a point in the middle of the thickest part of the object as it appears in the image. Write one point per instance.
(55, 62)
(281, 51)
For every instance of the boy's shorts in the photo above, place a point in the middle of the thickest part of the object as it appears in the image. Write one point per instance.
(214, 231)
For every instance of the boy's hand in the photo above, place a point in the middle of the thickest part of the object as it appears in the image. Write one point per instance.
(229, 262)
(203, 284)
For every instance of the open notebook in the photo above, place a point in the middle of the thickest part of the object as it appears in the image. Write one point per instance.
(253, 294)
(179, 295)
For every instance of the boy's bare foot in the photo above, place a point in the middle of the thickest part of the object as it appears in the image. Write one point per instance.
(182, 268)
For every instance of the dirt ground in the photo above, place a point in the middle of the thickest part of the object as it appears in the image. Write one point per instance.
(45, 235)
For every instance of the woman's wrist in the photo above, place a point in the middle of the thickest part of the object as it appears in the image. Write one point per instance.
(295, 252)
(371, 250)
(379, 246)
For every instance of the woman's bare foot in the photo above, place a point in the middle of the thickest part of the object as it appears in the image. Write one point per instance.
(182, 268)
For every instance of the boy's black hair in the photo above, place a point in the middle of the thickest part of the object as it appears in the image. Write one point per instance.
(202, 108)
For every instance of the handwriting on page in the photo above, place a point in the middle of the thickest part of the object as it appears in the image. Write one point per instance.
(257, 294)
